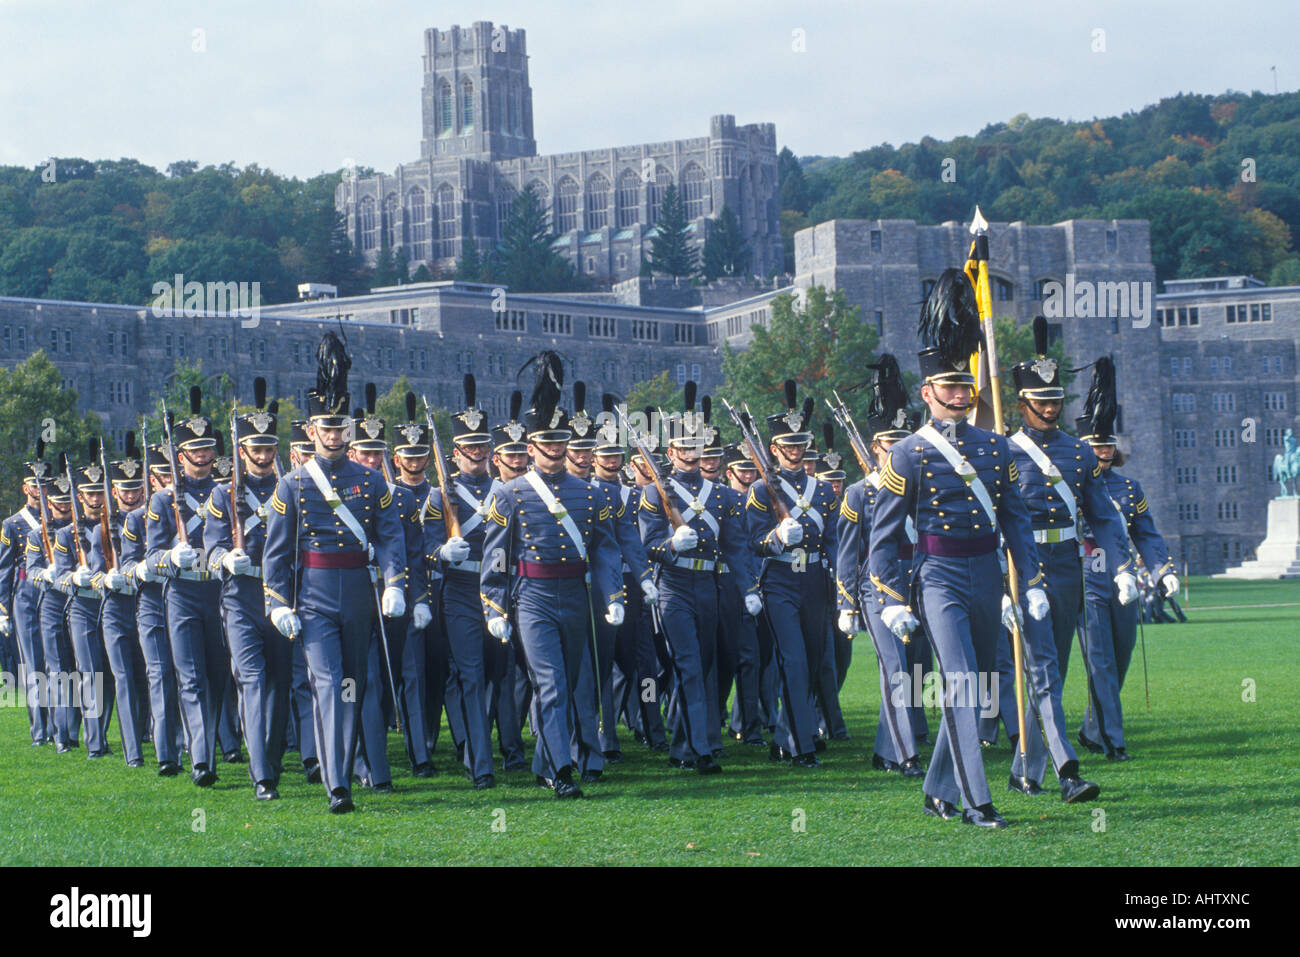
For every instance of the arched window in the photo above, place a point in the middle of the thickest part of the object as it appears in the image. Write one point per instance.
(466, 104)
(505, 196)
(566, 205)
(390, 221)
(417, 224)
(1003, 291)
(663, 179)
(597, 201)
(446, 110)
(446, 220)
(1041, 289)
(369, 234)
(629, 198)
(694, 186)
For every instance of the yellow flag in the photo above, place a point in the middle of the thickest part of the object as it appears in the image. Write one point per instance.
(981, 414)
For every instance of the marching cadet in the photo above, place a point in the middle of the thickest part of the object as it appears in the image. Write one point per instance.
(301, 449)
(453, 539)
(18, 601)
(827, 681)
(509, 691)
(60, 663)
(121, 634)
(549, 534)
(191, 597)
(326, 516)
(792, 592)
(686, 536)
(426, 659)
(750, 653)
(260, 656)
(619, 644)
(895, 749)
(960, 485)
(1112, 623)
(369, 447)
(1060, 481)
(151, 622)
(72, 575)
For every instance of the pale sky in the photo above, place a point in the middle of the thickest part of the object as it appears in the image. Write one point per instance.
(300, 87)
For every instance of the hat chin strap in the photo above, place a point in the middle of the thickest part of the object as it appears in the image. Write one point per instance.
(552, 458)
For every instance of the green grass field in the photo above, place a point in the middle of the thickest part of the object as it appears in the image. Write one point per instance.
(1217, 781)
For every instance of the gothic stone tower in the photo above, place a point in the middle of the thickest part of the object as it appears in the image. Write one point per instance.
(476, 102)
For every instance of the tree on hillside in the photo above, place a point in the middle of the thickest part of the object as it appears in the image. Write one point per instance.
(526, 261)
(726, 253)
(671, 251)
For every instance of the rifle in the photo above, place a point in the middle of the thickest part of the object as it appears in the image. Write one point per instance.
(745, 423)
(236, 526)
(638, 440)
(45, 506)
(861, 450)
(182, 534)
(444, 485)
(76, 523)
(105, 528)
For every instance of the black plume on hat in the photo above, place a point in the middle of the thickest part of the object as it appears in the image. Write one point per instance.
(471, 390)
(196, 400)
(791, 393)
(1101, 406)
(371, 395)
(410, 406)
(332, 365)
(548, 380)
(950, 318)
(259, 392)
(1040, 335)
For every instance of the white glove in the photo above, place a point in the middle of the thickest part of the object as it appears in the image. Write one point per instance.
(649, 590)
(40, 575)
(115, 580)
(81, 577)
(847, 623)
(1011, 619)
(684, 539)
(1127, 586)
(393, 604)
(237, 562)
(6, 625)
(144, 572)
(182, 556)
(753, 604)
(789, 531)
(899, 620)
(421, 616)
(1039, 606)
(1171, 584)
(286, 622)
(454, 550)
(614, 614)
(499, 628)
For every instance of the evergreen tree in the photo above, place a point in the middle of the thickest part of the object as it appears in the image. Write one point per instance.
(725, 251)
(526, 262)
(385, 263)
(671, 250)
(470, 267)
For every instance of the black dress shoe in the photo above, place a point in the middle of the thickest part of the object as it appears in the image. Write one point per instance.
(778, 753)
(484, 781)
(884, 764)
(341, 801)
(937, 807)
(96, 755)
(819, 745)
(614, 756)
(266, 791)
(234, 757)
(911, 768)
(384, 787)
(985, 815)
(517, 764)
(1090, 744)
(565, 789)
(424, 770)
(678, 764)
(924, 739)
(640, 738)
(1076, 791)
(719, 753)
(312, 770)
(840, 736)
(806, 761)
(754, 743)
(705, 764)
(203, 777)
(1119, 754)
(169, 769)
(62, 749)
(659, 747)
(735, 735)
(545, 783)
(135, 763)
(1024, 786)
(591, 776)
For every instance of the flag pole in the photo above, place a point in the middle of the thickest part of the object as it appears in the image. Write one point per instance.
(979, 260)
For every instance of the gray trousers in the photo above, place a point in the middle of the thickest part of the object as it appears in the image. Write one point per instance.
(156, 650)
(201, 660)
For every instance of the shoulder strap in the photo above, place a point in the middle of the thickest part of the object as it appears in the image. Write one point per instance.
(1061, 487)
(802, 504)
(332, 499)
(697, 504)
(961, 467)
(559, 511)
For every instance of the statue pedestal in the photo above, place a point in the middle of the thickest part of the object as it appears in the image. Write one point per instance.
(1279, 553)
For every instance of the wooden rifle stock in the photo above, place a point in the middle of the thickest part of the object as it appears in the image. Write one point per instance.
(449, 507)
(656, 478)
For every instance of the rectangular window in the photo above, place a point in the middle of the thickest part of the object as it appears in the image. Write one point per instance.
(683, 333)
(212, 347)
(167, 345)
(1187, 365)
(1193, 316)
(1173, 367)
(1227, 513)
(1184, 438)
(1224, 402)
(1214, 365)
(602, 327)
(880, 322)
(180, 345)
(1230, 314)
(1275, 401)
(8, 336)
(875, 241)
(54, 342)
(1112, 240)
(1184, 401)
(1189, 512)
(259, 350)
(557, 324)
(1265, 312)
(1186, 475)
(645, 330)
(1254, 312)
(695, 371)
(1182, 315)
(22, 338)
(1225, 438)
(112, 341)
(1225, 474)
(681, 373)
